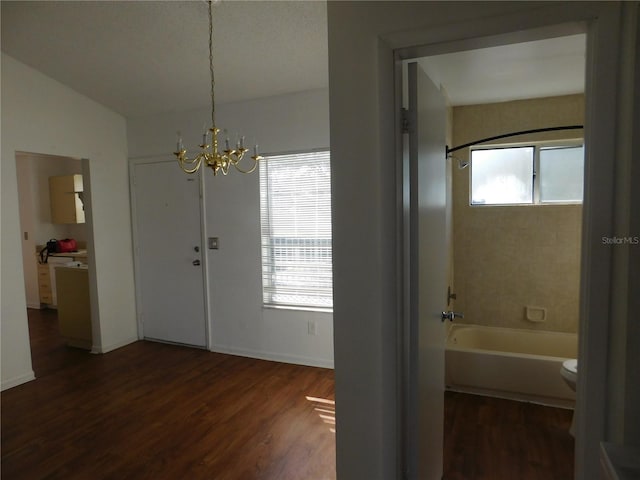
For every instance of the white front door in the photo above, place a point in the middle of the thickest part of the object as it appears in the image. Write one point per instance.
(426, 267)
(169, 257)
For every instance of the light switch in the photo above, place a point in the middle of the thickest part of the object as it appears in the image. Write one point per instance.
(213, 243)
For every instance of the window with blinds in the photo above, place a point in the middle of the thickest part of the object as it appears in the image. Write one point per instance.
(295, 211)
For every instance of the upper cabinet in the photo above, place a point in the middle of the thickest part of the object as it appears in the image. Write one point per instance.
(66, 199)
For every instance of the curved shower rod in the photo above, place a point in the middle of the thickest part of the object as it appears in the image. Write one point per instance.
(513, 134)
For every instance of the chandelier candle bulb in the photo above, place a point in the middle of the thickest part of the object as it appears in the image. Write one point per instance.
(179, 144)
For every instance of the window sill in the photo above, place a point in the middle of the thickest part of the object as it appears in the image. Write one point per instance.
(297, 308)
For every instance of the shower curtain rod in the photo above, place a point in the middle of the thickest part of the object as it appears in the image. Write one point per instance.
(513, 134)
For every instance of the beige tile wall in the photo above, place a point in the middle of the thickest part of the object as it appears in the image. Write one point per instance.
(506, 258)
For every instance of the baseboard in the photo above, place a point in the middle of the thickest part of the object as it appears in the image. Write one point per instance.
(113, 346)
(19, 380)
(274, 357)
(518, 397)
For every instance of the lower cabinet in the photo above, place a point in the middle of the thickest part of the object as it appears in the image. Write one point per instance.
(44, 284)
(74, 311)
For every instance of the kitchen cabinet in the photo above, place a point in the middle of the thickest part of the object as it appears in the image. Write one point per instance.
(44, 284)
(74, 311)
(65, 196)
(46, 276)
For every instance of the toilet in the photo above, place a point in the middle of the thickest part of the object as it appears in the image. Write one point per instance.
(569, 372)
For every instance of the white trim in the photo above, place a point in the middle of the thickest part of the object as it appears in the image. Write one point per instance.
(19, 380)
(274, 357)
(113, 346)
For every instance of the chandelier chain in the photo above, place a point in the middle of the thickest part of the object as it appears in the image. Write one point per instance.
(213, 108)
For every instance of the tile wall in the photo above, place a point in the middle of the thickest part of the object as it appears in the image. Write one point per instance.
(509, 257)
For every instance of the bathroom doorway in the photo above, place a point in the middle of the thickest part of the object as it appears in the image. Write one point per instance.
(556, 101)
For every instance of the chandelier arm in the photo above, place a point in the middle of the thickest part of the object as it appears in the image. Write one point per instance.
(186, 161)
(252, 169)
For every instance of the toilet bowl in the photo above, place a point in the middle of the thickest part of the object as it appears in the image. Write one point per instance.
(569, 372)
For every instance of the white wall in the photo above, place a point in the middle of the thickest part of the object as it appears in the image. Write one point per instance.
(40, 115)
(366, 300)
(239, 323)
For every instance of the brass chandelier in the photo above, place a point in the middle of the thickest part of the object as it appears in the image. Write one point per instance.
(218, 160)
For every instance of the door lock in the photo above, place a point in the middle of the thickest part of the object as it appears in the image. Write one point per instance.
(451, 315)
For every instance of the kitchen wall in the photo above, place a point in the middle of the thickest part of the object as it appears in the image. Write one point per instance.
(33, 172)
(508, 257)
(42, 116)
(239, 323)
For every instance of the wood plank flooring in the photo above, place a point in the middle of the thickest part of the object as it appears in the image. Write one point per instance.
(154, 411)
(494, 439)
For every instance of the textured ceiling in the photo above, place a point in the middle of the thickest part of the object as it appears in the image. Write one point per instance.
(147, 57)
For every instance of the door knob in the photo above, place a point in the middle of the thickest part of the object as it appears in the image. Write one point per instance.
(451, 315)
(196, 263)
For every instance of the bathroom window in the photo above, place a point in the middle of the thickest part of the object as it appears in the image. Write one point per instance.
(527, 175)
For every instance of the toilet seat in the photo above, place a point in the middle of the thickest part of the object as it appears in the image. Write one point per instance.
(570, 370)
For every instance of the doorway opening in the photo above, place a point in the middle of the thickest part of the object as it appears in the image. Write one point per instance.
(53, 209)
(507, 261)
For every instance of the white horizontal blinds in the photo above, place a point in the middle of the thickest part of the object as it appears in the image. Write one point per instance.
(295, 209)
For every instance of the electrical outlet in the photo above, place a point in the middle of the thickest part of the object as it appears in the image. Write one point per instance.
(311, 327)
(213, 243)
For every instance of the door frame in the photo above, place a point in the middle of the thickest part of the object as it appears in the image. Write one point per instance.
(600, 25)
(85, 167)
(133, 162)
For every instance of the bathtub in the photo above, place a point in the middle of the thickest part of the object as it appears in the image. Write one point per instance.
(510, 363)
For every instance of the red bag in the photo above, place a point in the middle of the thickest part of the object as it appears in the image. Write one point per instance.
(66, 245)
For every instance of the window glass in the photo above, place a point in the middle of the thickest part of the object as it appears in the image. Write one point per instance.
(295, 210)
(561, 174)
(502, 176)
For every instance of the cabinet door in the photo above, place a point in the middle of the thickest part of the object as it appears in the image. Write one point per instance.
(66, 206)
(44, 284)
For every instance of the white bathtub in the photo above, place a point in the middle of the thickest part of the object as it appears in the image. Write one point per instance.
(509, 363)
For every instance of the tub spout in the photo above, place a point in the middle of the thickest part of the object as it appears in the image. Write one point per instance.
(451, 315)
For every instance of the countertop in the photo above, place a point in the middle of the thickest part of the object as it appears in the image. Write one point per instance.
(82, 254)
(77, 253)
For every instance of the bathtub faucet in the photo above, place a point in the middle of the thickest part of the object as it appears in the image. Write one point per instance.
(451, 315)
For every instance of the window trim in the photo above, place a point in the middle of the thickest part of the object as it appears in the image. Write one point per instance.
(537, 146)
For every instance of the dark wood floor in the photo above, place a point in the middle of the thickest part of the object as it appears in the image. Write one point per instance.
(494, 439)
(158, 411)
